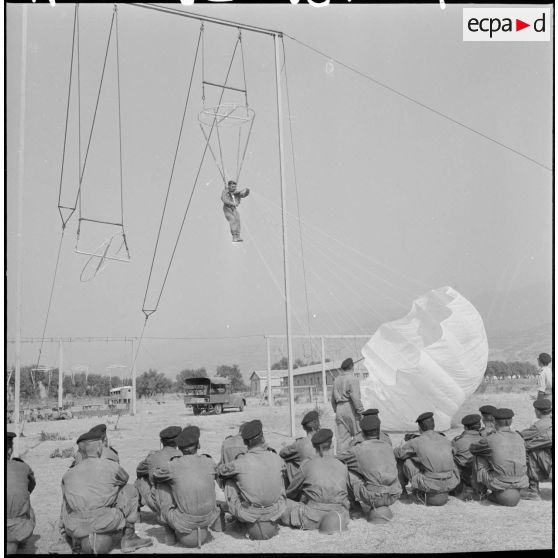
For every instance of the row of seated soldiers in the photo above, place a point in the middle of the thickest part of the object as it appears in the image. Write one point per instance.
(304, 486)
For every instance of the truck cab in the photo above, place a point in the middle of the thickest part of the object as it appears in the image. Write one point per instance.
(211, 395)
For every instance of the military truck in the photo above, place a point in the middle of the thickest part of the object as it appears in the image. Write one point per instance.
(211, 395)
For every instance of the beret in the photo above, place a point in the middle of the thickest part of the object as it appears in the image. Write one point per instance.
(370, 422)
(10, 435)
(424, 416)
(251, 429)
(503, 413)
(468, 420)
(170, 432)
(370, 412)
(309, 417)
(542, 404)
(190, 436)
(347, 364)
(323, 435)
(99, 428)
(92, 435)
(487, 409)
(545, 359)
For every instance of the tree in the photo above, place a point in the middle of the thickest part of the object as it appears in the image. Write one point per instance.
(152, 383)
(188, 373)
(234, 375)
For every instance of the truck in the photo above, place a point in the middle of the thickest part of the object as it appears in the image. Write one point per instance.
(211, 395)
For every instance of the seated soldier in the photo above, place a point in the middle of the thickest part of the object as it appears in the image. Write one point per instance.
(538, 444)
(191, 479)
(20, 482)
(152, 493)
(253, 482)
(108, 451)
(462, 457)
(302, 449)
(321, 486)
(232, 446)
(499, 459)
(96, 498)
(373, 479)
(426, 461)
(383, 435)
(487, 413)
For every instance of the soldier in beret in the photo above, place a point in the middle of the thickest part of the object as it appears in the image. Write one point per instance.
(191, 478)
(539, 447)
(321, 486)
(384, 436)
(499, 459)
(108, 451)
(346, 403)
(373, 479)
(487, 413)
(462, 457)
(152, 493)
(97, 498)
(427, 461)
(253, 482)
(302, 449)
(20, 482)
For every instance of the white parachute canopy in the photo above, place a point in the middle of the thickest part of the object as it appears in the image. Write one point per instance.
(430, 360)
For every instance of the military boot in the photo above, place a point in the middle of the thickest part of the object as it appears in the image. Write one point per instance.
(531, 493)
(130, 541)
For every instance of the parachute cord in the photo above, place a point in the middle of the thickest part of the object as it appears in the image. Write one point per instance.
(243, 66)
(419, 103)
(64, 221)
(200, 36)
(95, 112)
(245, 147)
(79, 108)
(140, 340)
(203, 62)
(119, 121)
(297, 197)
(49, 303)
(189, 199)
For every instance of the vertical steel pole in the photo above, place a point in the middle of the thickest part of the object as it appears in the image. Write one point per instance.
(269, 396)
(324, 381)
(134, 407)
(284, 226)
(60, 374)
(21, 155)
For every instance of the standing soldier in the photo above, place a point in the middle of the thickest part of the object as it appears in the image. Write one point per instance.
(487, 413)
(191, 479)
(500, 464)
(373, 479)
(544, 378)
(384, 436)
(426, 461)
(302, 449)
(321, 486)
(231, 200)
(150, 492)
(254, 488)
(97, 500)
(462, 455)
(345, 400)
(538, 444)
(20, 482)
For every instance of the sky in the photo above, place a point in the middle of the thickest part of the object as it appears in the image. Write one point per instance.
(385, 199)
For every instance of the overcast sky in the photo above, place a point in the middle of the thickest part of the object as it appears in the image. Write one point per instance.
(394, 199)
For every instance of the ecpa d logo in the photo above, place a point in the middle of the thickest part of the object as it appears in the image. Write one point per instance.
(506, 24)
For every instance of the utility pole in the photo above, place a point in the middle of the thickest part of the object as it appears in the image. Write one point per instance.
(269, 396)
(60, 375)
(324, 381)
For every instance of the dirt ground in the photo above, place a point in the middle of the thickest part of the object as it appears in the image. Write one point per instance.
(456, 527)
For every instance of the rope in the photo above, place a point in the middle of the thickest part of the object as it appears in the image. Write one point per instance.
(419, 103)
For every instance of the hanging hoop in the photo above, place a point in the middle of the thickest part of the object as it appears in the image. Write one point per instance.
(226, 115)
(100, 259)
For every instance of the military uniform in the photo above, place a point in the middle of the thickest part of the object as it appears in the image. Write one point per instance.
(384, 437)
(321, 486)
(254, 487)
(108, 453)
(191, 479)
(20, 518)
(231, 447)
(231, 200)
(295, 454)
(346, 402)
(373, 479)
(499, 461)
(538, 445)
(427, 462)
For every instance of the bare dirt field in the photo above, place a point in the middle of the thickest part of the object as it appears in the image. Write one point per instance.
(456, 527)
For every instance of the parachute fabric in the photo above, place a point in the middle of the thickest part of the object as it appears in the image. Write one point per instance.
(430, 360)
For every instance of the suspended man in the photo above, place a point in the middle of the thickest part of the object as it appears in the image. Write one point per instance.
(231, 200)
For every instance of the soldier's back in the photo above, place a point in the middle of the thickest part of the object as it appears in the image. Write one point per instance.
(376, 462)
(17, 488)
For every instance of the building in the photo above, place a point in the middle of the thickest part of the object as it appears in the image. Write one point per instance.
(305, 376)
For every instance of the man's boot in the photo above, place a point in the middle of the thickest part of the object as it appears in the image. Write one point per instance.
(531, 493)
(130, 541)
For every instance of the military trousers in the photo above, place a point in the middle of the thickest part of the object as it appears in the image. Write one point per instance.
(247, 512)
(371, 496)
(540, 464)
(19, 529)
(309, 515)
(233, 217)
(346, 425)
(427, 482)
(483, 477)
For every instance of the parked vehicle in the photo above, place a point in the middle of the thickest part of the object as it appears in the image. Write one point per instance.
(211, 395)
